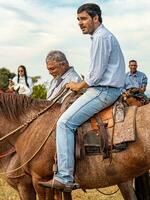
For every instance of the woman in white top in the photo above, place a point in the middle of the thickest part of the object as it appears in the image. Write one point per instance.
(23, 83)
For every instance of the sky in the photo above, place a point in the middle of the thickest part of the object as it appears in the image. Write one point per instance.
(29, 29)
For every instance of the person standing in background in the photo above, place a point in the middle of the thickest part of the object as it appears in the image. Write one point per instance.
(22, 82)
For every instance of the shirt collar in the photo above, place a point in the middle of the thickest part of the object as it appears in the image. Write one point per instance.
(21, 77)
(67, 72)
(135, 74)
(99, 29)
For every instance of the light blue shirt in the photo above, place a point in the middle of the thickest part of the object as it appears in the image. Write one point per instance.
(57, 83)
(107, 67)
(136, 80)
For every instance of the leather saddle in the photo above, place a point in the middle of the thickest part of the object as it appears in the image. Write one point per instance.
(92, 136)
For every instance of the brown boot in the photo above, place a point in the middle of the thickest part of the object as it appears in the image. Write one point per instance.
(56, 185)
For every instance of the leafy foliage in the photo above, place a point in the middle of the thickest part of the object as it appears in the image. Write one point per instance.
(35, 79)
(5, 75)
(39, 91)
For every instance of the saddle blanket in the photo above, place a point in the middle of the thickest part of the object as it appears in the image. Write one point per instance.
(124, 131)
(118, 132)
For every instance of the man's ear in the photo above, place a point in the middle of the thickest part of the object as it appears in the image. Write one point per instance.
(64, 67)
(96, 18)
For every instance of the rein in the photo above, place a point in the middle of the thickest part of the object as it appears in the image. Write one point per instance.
(107, 193)
(62, 92)
(11, 171)
(8, 152)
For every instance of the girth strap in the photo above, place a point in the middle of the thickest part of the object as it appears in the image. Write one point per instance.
(103, 136)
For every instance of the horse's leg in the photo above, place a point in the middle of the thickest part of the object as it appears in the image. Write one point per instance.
(142, 187)
(49, 194)
(43, 193)
(127, 190)
(67, 196)
(24, 187)
(63, 195)
(58, 195)
(26, 192)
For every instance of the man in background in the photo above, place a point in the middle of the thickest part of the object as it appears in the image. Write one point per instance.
(135, 84)
(135, 79)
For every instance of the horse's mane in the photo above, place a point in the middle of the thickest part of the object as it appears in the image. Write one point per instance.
(12, 106)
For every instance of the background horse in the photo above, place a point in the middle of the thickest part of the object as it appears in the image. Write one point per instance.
(38, 156)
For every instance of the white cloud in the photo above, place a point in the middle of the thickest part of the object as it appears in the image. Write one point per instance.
(29, 29)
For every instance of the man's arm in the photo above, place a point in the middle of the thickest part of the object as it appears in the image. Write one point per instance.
(77, 86)
(144, 84)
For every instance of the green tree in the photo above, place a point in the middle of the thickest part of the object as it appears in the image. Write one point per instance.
(39, 91)
(5, 75)
(35, 79)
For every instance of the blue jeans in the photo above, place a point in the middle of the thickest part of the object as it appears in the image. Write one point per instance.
(91, 102)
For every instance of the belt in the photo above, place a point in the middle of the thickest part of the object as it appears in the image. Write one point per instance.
(105, 86)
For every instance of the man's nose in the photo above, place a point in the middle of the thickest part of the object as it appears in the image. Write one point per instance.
(80, 22)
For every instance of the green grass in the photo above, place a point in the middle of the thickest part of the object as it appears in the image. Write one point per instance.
(8, 193)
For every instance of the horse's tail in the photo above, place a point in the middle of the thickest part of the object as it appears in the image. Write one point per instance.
(142, 187)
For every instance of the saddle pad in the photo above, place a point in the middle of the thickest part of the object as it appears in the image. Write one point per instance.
(124, 131)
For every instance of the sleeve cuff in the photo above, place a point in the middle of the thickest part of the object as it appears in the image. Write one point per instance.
(88, 81)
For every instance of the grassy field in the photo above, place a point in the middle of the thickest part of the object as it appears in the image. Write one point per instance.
(7, 193)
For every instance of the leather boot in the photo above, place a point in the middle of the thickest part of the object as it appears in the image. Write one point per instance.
(56, 185)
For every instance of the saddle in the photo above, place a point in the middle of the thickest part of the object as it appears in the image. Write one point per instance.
(133, 97)
(105, 130)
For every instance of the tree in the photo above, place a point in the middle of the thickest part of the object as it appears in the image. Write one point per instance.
(5, 75)
(35, 79)
(39, 91)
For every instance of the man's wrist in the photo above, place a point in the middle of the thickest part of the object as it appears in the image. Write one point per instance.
(83, 85)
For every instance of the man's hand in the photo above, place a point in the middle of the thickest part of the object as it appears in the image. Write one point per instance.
(77, 86)
(142, 89)
(126, 94)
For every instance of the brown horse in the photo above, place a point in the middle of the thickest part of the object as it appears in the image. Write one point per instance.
(37, 157)
(20, 181)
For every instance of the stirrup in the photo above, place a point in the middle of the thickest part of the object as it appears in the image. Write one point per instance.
(69, 188)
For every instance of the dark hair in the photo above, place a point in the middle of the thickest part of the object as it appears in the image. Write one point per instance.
(92, 9)
(132, 61)
(25, 75)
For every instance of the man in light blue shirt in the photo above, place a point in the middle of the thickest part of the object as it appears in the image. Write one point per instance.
(135, 80)
(58, 67)
(103, 83)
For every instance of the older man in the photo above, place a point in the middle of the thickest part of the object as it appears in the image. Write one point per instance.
(58, 66)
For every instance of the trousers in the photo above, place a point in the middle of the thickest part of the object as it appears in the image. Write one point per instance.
(92, 101)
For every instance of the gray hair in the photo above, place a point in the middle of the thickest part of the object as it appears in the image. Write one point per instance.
(57, 56)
